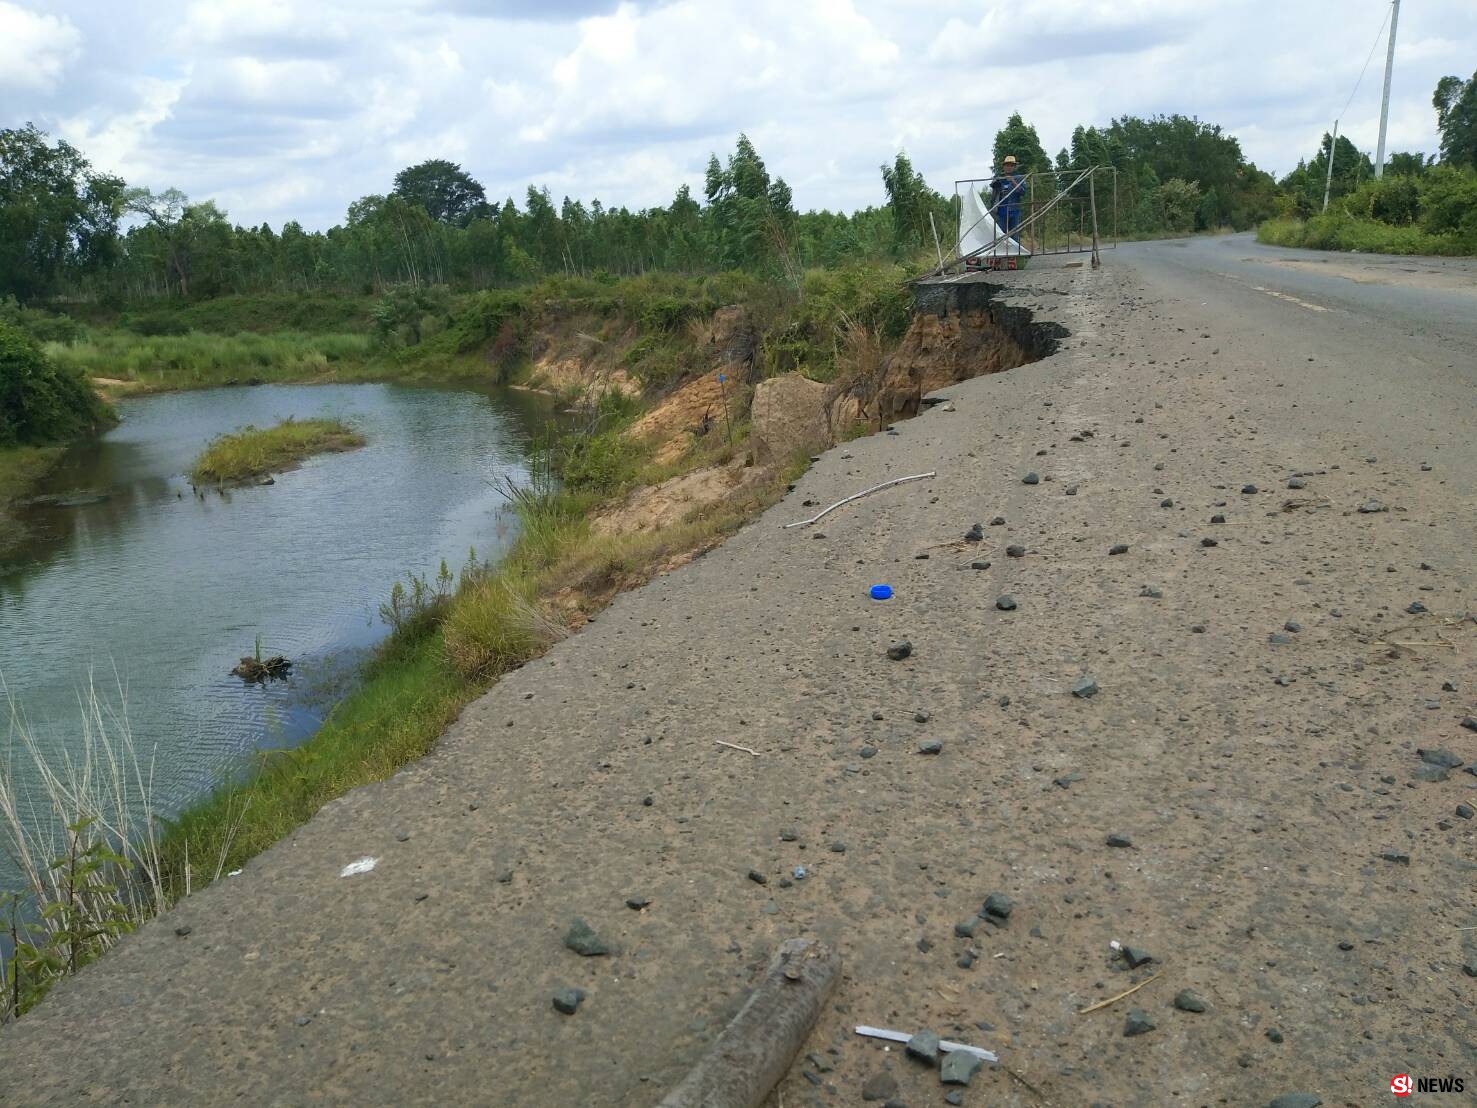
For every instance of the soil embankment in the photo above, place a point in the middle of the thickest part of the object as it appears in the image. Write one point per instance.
(1243, 799)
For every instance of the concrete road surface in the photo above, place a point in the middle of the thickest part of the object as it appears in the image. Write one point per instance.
(1265, 687)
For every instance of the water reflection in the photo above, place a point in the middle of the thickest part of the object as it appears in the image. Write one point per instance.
(159, 591)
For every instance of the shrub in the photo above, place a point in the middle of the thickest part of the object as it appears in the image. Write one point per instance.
(601, 462)
(151, 324)
(41, 402)
(43, 326)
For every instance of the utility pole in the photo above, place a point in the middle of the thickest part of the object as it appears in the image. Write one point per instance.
(1328, 181)
(1379, 158)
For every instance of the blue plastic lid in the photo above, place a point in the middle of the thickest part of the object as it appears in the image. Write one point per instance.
(880, 592)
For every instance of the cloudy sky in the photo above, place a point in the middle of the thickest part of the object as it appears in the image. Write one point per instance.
(282, 109)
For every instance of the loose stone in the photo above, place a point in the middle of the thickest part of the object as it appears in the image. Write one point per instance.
(567, 1000)
(1188, 1001)
(925, 1047)
(1137, 1023)
(581, 939)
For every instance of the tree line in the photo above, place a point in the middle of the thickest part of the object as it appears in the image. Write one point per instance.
(69, 231)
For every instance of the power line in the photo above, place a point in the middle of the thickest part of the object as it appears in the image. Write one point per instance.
(1367, 60)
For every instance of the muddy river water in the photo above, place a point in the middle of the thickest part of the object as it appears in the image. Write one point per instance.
(149, 593)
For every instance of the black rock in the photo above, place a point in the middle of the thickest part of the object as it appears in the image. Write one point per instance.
(1431, 775)
(1166, 503)
(1369, 507)
(1278, 639)
(925, 1047)
(997, 906)
(758, 878)
(1415, 608)
(998, 521)
(183, 929)
(1084, 687)
(1118, 548)
(1187, 1001)
(567, 1000)
(1006, 603)
(1209, 542)
(1470, 724)
(637, 902)
(954, 1097)
(880, 1086)
(1217, 518)
(1273, 1035)
(581, 939)
(869, 752)
(1346, 945)
(1297, 483)
(1465, 811)
(1067, 780)
(1152, 592)
(838, 848)
(1119, 840)
(975, 533)
(964, 929)
(921, 716)
(930, 746)
(1400, 858)
(1248, 490)
(788, 836)
(1031, 479)
(898, 651)
(979, 565)
(1071, 490)
(1136, 956)
(1442, 757)
(1015, 550)
(1293, 626)
(958, 1067)
(1137, 1023)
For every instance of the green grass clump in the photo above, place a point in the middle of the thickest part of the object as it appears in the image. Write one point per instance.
(1340, 231)
(199, 360)
(252, 452)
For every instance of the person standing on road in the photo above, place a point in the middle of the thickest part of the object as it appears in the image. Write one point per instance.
(1006, 192)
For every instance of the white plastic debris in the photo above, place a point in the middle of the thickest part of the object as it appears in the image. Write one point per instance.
(363, 865)
(944, 1044)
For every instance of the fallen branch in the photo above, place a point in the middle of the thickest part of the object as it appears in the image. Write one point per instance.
(858, 496)
(1120, 996)
(735, 746)
(756, 1050)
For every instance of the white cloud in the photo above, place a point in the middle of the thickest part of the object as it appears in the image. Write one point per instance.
(35, 49)
(285, 109)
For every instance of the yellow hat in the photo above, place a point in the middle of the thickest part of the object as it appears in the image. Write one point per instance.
(1010, 159)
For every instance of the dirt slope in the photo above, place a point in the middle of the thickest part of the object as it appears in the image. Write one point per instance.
(1263, 784)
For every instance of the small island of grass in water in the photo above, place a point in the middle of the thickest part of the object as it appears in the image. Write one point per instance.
(254, 452)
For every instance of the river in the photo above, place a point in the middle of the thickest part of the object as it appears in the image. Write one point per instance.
(153, 594)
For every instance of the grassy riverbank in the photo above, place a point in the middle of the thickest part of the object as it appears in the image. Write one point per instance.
(448, 648)
(254, 452)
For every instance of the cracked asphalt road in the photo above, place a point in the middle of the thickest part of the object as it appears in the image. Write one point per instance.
(1261, 782)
